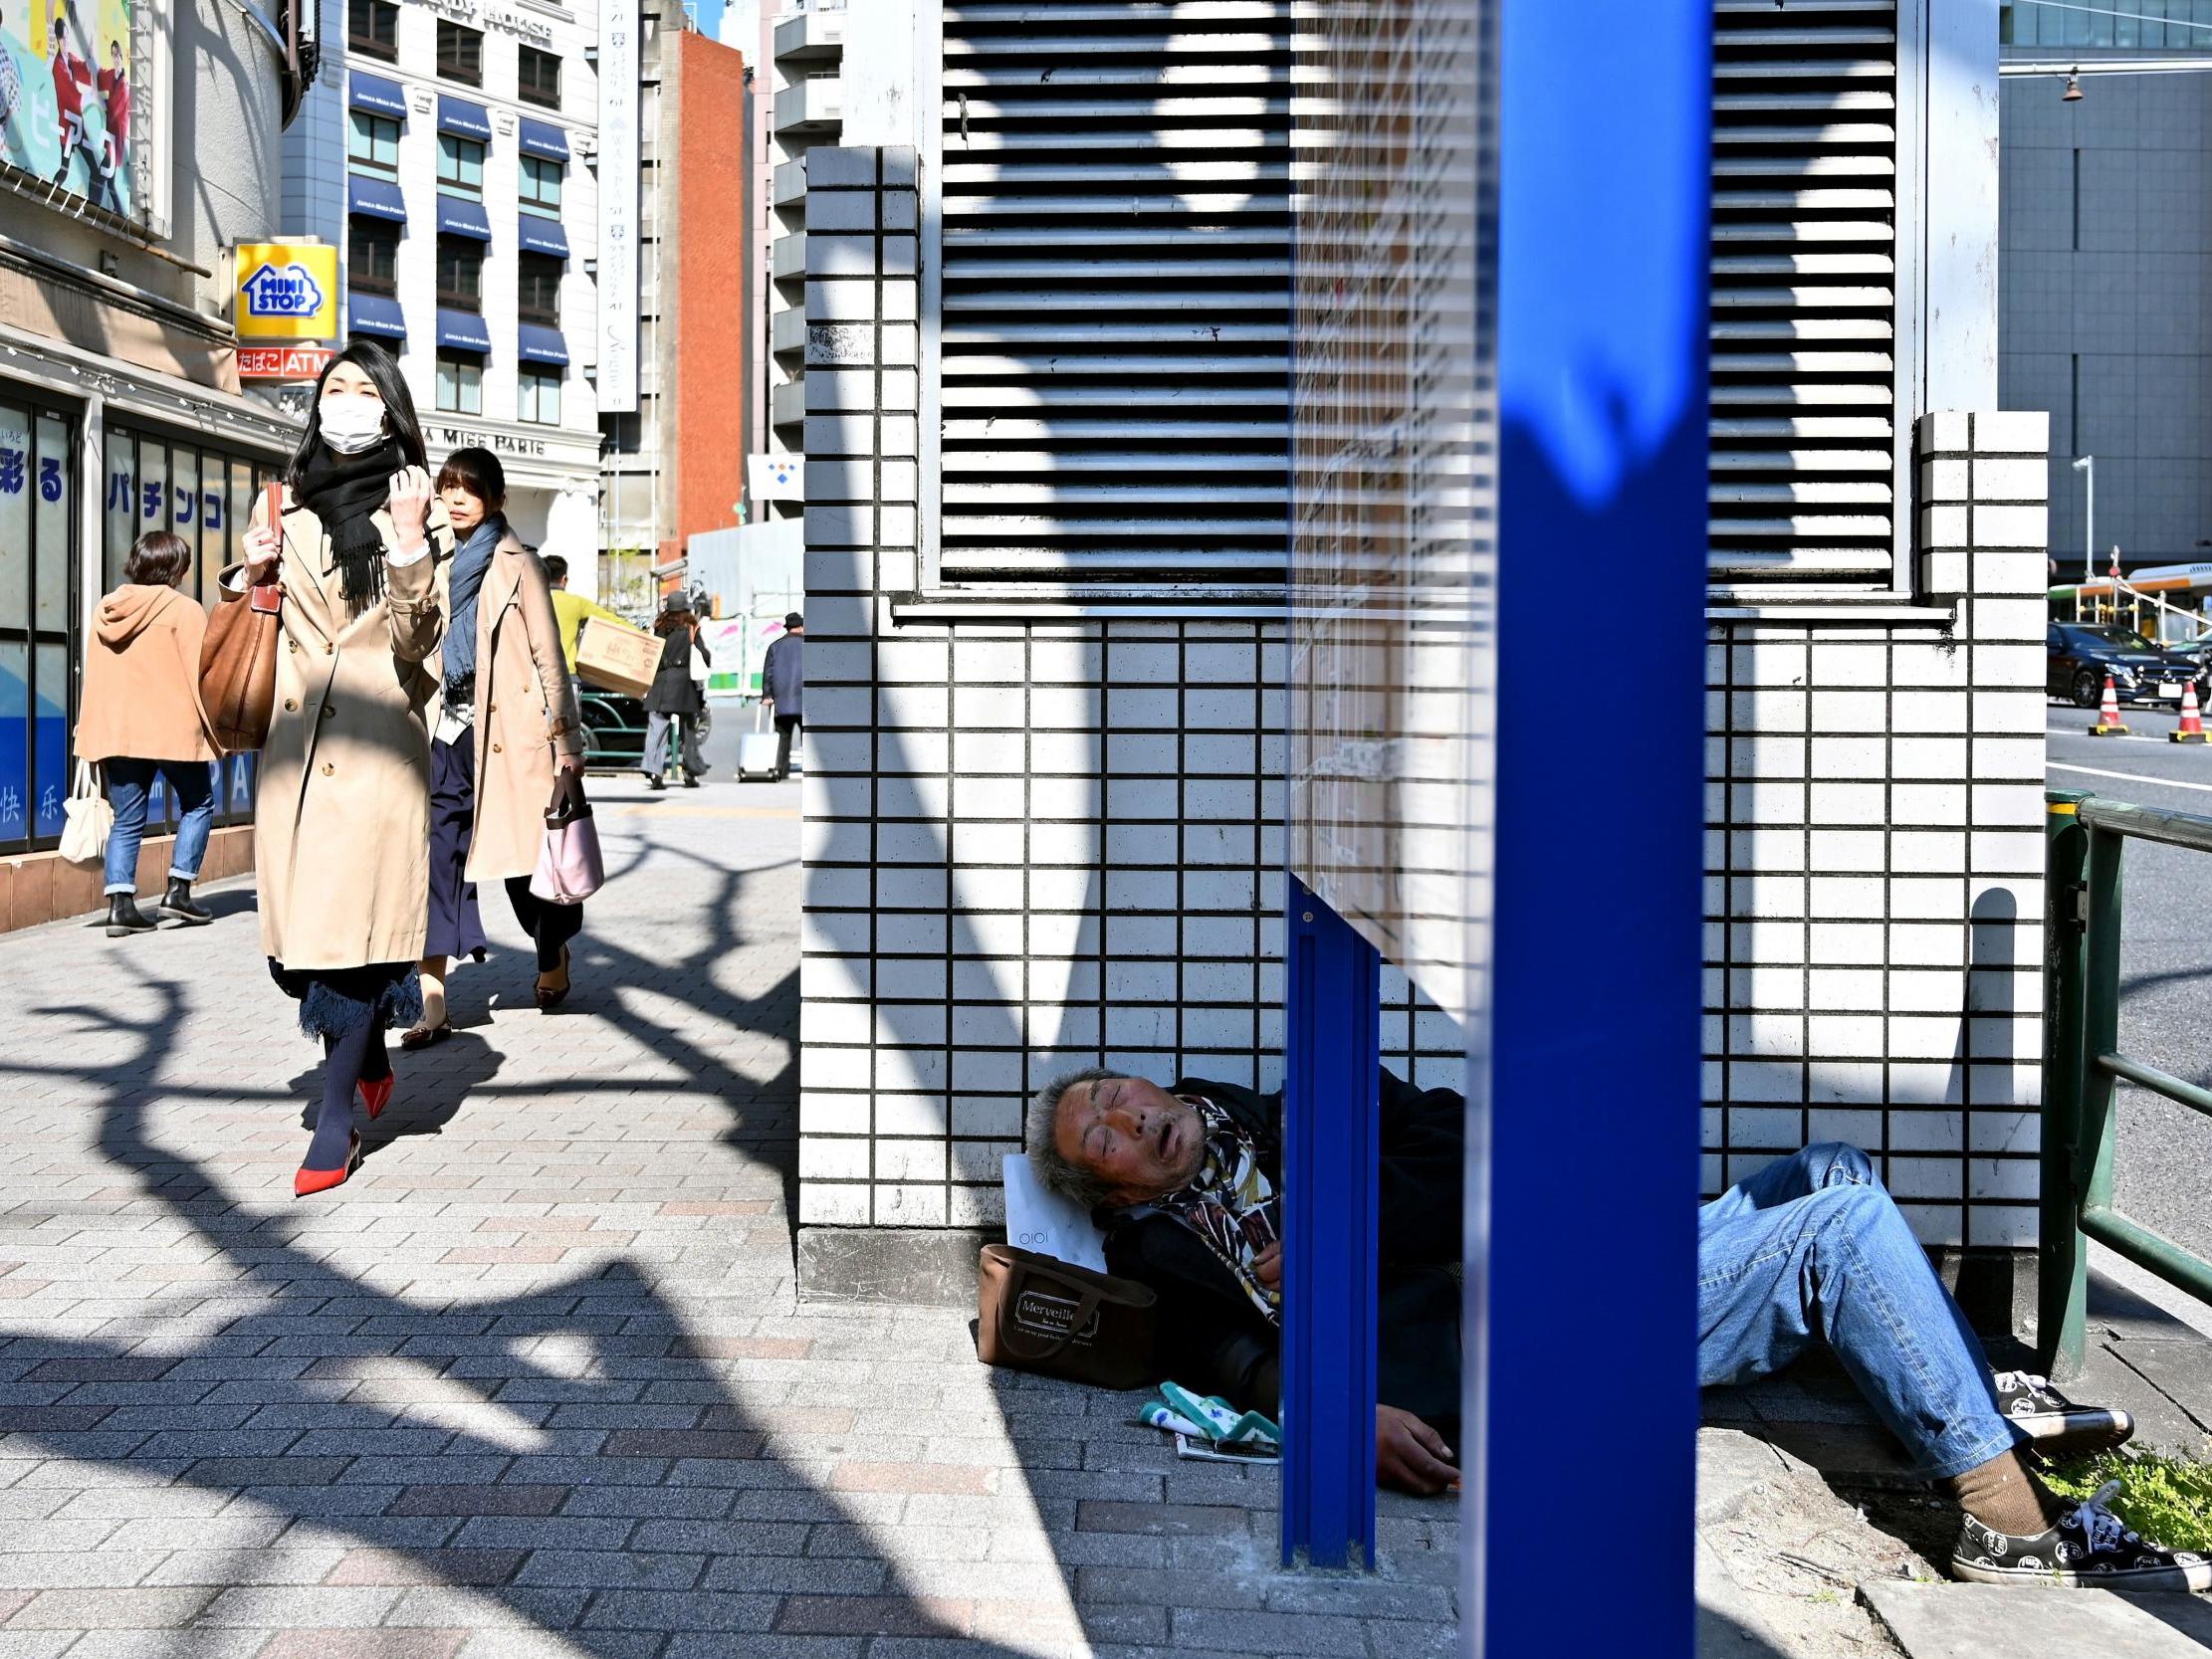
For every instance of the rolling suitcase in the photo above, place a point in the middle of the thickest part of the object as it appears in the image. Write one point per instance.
(756, 750)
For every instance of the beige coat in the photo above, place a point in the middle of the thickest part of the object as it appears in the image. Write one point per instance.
(341, 821)
(526, 710)
(142, 679)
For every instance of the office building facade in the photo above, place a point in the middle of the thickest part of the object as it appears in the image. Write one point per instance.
(2107, 314)
(449, 154)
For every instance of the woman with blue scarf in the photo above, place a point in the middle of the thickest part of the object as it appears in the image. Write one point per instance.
(505, 722)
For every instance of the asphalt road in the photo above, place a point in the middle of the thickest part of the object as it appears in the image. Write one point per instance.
(2163, 1162)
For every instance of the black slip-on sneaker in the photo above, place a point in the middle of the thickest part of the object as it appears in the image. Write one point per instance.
(2055, 1423)
(2090, 1546)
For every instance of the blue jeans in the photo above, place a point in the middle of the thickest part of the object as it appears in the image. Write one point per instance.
(1813, 1245)
(130, 782)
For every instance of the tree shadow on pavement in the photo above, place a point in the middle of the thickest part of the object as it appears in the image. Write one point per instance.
(576, 1460)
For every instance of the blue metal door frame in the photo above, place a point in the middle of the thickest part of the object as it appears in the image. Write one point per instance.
(1589, 1057)
(1332, 1054)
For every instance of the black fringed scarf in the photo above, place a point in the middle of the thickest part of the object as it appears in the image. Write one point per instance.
(343, 490)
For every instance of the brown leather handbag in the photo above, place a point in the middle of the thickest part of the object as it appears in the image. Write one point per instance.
(1037, 1314)
(238, 661)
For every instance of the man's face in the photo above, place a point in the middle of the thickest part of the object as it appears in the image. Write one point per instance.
(1138, 1139)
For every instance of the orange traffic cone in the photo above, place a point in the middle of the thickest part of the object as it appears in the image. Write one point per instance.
(2191, 729)
(2107, 714)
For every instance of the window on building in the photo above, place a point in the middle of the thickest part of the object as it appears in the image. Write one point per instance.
(541, 186)
(460, 383)
(460, 165)
(537, 396)
(460, 53)
(372, 28)
(372, 256)
(461, 273)
(538, 78)
(537, 289)
(373, 146)
(624, 434)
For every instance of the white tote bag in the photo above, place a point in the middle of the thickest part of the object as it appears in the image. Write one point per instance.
(86, 819)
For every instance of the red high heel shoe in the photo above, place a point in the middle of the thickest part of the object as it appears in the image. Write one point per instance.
(376, 1095)
(306, 1181)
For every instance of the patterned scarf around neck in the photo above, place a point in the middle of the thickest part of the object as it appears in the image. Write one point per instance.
(464, 584)
(1230, 1204)
(343, 490)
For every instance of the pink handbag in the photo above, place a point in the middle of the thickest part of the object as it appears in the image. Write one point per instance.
(568, 869)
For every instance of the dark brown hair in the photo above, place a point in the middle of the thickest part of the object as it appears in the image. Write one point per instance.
(479, 472)
(157, 559)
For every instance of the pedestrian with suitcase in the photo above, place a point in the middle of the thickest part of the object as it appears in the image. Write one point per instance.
(783, 688)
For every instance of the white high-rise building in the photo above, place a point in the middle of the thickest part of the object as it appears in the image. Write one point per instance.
(449, 150)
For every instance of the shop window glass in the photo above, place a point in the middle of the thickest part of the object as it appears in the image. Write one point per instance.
(16, 498)
(184, 510)
(121, 515)
(154, 493)
(50, 680)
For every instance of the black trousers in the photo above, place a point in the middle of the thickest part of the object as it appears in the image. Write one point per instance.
(785, 725)
(550, 927)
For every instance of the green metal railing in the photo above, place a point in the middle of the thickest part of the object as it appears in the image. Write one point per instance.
(2082, 1067)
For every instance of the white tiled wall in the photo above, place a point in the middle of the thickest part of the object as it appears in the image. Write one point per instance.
(1874, 864)
(1029, 845)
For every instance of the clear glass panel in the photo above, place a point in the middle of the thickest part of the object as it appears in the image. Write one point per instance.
(55, 469)
(48, 783)
(240, 510)
(153, 489)
(184, 510)
(15, 726)
(16, 496)
(121, 518)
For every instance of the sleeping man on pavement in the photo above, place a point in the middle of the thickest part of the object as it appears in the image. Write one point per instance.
(1809, 1250)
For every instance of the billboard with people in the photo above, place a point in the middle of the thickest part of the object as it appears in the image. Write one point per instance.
(65, 97)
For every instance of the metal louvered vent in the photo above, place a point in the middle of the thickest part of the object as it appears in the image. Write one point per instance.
(1116, 271)
(1804, 300)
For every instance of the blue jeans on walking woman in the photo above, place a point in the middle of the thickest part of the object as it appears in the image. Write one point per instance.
(130, 785)
(1812, 1245)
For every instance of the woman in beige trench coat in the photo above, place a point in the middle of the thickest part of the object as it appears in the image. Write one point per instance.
(505, 722)
(341, 812)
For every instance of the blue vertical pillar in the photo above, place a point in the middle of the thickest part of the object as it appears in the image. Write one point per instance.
(1332, 1041)
(1603, 160)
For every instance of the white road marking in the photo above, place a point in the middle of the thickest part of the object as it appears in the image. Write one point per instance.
(2133, 777)
(2082, 731)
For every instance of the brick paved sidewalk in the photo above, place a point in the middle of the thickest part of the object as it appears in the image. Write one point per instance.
(534, 1381)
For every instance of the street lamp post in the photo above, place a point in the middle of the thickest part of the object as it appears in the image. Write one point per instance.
(2086, 465)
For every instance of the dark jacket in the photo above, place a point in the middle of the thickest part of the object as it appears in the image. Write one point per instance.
(784, 676)
(1210, 1335)
(673, 691)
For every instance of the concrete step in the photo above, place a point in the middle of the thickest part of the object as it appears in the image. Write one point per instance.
(1998, 1621)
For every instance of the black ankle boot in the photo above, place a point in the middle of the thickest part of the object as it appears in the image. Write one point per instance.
(125, 915)
(178, 902)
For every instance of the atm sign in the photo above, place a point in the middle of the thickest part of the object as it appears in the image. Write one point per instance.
(282, 362)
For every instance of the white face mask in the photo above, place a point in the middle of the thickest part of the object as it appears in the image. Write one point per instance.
(353, 424)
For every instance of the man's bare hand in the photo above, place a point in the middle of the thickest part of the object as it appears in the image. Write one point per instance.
(1410, 1455)
(1267, 1265)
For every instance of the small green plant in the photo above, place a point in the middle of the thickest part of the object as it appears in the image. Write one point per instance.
(2163, 1497)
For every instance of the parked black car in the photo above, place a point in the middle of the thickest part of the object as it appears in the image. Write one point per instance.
(2083, 653)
